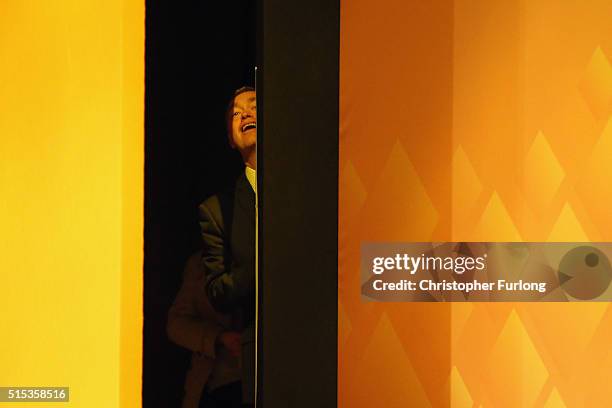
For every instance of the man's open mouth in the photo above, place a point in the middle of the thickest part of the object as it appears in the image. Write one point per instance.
(249, 126)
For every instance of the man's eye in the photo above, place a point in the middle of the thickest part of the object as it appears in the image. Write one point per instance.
(236, 113)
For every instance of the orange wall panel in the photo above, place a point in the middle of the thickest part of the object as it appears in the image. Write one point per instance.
(473, 121)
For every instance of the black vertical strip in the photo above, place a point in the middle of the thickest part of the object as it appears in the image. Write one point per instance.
(259, 196)
(197, 54)
(298, 57)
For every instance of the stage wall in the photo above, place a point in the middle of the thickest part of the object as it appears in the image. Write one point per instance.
(473, 121)
(71, 198)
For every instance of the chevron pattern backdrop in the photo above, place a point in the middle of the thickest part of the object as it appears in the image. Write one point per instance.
(474, 120)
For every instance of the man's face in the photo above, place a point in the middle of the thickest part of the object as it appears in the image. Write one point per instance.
(244, 122)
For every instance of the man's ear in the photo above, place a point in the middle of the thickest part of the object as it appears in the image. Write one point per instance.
(230, 139)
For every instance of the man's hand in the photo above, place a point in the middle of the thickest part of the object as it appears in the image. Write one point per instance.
(231, 341)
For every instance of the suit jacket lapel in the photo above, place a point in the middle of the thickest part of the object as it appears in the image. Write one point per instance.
(245, 197)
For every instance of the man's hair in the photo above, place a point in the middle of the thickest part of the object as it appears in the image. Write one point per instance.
(230, 106)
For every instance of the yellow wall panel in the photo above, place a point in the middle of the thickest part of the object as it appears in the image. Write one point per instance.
(71, 181)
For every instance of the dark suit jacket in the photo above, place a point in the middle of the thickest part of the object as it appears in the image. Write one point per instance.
(227, 222)
(195, 325)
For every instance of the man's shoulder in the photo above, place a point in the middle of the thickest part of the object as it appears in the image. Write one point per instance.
(217, 202)
(211, 203)
(223, 198)
(218, 208)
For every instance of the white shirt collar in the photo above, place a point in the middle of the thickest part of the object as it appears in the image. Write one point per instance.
(251, 175)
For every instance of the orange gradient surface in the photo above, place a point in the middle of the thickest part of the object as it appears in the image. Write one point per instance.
(71, 193)
(473, 121)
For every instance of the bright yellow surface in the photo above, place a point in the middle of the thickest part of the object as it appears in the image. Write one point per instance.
(71, 164)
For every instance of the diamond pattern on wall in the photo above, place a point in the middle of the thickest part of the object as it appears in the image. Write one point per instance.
(352, 193)
(466, 189)
(460, 313)
(528, 155)
(495, 223)
(524, 372)
(390, 370)
(551, 327)
(567, 225)
(595, 185)
(555, 400)
(460, 396)
(596, 85)
(398, 207)
(542, 175)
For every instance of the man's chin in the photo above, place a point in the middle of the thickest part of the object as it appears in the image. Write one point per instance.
(250, 139)
(248, 146)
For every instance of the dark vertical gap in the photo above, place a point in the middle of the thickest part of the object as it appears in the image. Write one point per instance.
(197, 53)
(260, 88)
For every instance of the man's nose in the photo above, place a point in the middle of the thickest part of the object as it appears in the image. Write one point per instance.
(247, 113)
